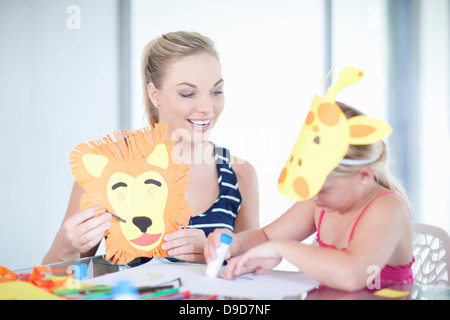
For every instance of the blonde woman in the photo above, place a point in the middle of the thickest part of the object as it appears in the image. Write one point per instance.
(362, 221)
(183, 87)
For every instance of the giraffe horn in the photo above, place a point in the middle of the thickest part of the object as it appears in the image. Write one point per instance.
(347, 77)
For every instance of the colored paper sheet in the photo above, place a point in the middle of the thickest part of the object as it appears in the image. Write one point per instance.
(391, 293)
(19, 290)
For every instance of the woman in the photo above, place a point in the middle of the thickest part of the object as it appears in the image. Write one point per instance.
(183, 88)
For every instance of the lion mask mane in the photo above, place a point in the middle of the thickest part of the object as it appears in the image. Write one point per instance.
(137, 179)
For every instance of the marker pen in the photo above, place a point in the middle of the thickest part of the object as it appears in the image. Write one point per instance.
(213, 267)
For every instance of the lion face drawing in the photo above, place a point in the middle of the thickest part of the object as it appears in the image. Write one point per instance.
(137, 180)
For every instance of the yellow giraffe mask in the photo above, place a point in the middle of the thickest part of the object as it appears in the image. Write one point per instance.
(324, 140)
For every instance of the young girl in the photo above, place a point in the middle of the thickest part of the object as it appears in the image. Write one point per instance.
(183, 88)
(362, 223)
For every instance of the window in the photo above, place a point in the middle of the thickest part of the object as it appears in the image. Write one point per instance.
(275, 57)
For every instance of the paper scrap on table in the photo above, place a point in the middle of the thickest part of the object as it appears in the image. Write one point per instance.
(391, 293)
(19, 290)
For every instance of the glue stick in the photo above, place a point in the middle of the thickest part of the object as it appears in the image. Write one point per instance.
(214, 266)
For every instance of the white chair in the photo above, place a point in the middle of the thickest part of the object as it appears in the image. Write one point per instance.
(431, 250)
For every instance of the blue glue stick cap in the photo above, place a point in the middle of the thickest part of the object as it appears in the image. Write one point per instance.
(225, 238)
(80, 271)
(124, 287)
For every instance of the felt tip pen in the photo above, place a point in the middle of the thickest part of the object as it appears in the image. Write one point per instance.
(159, 294)
(212, 269)
(214, 297)
(176, 296)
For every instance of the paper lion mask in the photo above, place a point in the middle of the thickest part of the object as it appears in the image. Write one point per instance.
(137, 179)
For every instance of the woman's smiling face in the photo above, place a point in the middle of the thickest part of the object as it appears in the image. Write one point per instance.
(191, 96)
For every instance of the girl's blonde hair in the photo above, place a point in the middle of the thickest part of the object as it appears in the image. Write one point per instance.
(159, 53)
(376, 150)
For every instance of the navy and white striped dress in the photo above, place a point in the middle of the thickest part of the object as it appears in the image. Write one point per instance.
(223, 212)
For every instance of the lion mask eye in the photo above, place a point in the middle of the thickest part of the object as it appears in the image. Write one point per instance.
(152, 181)
(118, 185)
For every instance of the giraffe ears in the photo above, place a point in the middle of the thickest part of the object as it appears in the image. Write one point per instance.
(365, 130)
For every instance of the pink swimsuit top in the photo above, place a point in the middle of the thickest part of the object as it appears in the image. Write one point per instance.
(400, 273)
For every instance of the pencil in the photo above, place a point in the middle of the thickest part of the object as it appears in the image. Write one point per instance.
(84, 290)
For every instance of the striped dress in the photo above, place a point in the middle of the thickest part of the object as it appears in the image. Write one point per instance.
(223, 212)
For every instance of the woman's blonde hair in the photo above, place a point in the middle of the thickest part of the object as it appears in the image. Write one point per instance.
(159, 53)
(377, 150)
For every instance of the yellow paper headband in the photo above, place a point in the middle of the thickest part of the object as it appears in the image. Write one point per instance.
(324, 140)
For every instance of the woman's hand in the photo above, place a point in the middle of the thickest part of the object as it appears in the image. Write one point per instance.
(186, 245)
(257, 259)
(83, 231)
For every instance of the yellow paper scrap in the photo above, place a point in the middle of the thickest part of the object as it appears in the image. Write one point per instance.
(390, 293)
(19, 290)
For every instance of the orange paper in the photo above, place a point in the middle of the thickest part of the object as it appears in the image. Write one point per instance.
(36, 278)
(138, 179)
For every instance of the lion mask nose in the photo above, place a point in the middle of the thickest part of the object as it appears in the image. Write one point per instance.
(142, 223)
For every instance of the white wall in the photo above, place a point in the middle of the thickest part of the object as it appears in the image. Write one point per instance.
(58, 87)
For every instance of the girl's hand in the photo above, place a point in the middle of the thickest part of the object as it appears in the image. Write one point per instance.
(213, 242)
(257, 259)
(186, 245)
(84, 230)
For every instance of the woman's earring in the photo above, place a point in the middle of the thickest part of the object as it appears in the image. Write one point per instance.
(156, 105)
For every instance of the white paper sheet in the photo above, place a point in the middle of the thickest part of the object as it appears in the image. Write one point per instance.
(270, 285)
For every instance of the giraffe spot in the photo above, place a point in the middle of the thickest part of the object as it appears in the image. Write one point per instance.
(328, 114)
(282, 176)
(301, 187)
(315, 128)
(300, 162)
(317, 140)
(309, 118)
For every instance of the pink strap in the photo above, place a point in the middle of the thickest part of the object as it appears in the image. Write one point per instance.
(364, 210)
(320, 220)
(357, 219)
